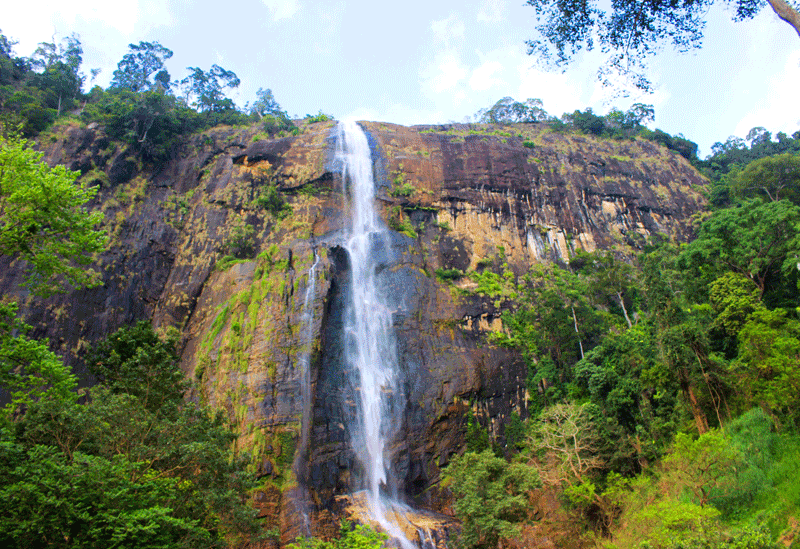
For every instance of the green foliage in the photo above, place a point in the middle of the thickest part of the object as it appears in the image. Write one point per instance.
(404, 190)
(515, 432)
(135, 466)
(272, 200)
(152, 122)
(207, 88)
(730, 158)
(448, 275)
(240, 241)
(701, 466)
(136, 361)
(29, 371)
(508, 111)
(568, 441)
(773, 177)
(265, 104)
(319, 117)
(400, 223)
(769, 360)
(734, 298)
(755, 240)
(228, 261)
(477, 437)
(628, 33)
(552, 324)
(71, 499)
(357, 536)
(401, 187)
(635, 393)
(43, 220)
(139, 64)
(278, 123)
(490, 497)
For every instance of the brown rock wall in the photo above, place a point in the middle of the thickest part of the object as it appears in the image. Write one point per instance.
(457, 195)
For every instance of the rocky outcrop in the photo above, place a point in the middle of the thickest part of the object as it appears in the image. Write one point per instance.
(459, 197)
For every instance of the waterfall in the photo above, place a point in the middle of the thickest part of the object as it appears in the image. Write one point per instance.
(303, 365)
(370, 349)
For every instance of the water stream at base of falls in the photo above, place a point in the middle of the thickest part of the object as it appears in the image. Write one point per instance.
(370, 349)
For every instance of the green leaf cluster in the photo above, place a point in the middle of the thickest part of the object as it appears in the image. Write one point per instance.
(491, 497)
(135, 466)
(44, 221)
(351, 536)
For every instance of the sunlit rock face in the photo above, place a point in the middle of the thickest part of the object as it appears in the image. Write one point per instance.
(456, 197)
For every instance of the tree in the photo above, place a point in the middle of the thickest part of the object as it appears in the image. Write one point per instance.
(206, 88)
(490, 496)
(265, 104)
(635, 395)
(755, 240)
(607, 275)
(59, 67)
(134, 70)
(508, 111)
(570, 444)
(632, 30)
(43, 220)
(29, 371)
(136, 361)
(124, 469)
(769, 358)
(773, 177)
(701, 466)
(154, 122)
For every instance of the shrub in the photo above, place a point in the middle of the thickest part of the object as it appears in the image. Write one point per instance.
(490, 497)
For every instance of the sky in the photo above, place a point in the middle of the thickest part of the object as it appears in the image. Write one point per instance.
(427, 62)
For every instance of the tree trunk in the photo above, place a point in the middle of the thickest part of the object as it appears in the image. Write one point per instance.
(624, 310)
(785, 11)
(575, 320)
(697, 412)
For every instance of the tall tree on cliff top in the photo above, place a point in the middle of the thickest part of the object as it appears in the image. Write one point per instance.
(206, 88)
(134, 70)
(633, 30)
(59, 69)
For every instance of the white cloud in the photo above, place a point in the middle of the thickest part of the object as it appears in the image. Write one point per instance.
(483, 77)
(397, 114)
(558, 92)
(61, 19)
(447, 31)
(491, 11)
(445, 73)
(105, 28)
(779, 110)
(282, 9)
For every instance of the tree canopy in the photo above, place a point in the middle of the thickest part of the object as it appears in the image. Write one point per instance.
(43, 220)
(136, 67)
(632, 30)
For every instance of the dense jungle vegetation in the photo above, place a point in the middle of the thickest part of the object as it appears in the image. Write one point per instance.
(665, 387)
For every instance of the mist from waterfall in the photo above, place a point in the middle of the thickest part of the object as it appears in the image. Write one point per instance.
(370, 347)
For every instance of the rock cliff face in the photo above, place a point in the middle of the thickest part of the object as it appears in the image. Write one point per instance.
(457, 196)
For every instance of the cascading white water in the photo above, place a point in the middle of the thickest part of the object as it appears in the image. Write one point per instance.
(370, 351)
(303, 365)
